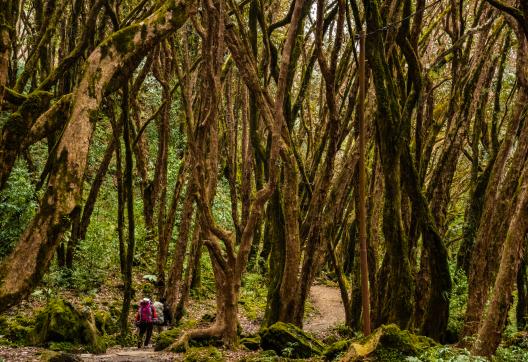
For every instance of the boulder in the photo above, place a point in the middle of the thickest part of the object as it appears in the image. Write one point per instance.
(105, 323)
(166, 338)
(251, 343)
(388, 343)
(60, 321)
(290, 341)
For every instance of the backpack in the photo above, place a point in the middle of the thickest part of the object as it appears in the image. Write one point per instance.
(145, 312)
(159, 312)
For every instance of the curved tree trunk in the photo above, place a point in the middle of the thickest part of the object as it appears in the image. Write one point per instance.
(119, 53)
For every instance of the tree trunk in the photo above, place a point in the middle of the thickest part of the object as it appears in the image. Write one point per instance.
(490, 332)
(128, 292)
(121, 52)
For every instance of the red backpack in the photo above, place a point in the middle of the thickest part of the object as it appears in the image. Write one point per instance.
(145, 312)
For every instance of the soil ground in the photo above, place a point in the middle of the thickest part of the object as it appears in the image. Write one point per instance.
(329, 310)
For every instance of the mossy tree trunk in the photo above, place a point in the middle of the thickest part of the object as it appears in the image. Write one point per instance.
(128, 292)
(117, 56)
(396, 295)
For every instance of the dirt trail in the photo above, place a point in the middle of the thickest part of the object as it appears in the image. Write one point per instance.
(328, 312)
(132, 355)
(329, 309)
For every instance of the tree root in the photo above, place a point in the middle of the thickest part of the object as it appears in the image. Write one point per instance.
(182, 343)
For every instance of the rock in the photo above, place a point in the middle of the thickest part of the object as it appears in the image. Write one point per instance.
(203, 354)
(105, 323)
(388, 343)
(251, 343)
(290, 341)
(166, 338)
(337, 348)
(60, 321)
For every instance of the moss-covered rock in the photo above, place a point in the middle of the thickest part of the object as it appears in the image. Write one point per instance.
(16, 331)
(251, 343)
(290, 341)
(105, 323)
(337, 348)
(388, 343)
(203, 354)
(166, 338)
(60, 321)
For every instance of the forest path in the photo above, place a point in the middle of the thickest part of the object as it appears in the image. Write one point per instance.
(329, 310)
(131, 355)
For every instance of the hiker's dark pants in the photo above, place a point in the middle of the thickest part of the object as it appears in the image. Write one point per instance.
(144, 327)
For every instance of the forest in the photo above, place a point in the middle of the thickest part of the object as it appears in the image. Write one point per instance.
(295, 180)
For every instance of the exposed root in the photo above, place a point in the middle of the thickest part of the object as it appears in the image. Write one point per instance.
(182, 343)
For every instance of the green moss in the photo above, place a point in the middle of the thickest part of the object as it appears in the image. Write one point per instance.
(290, 341)
(251, 343)
(105, 323)
(203, 354)
(59, 321)
(336, 349)
(389, 343)
(120, 40)
(65, 347)
(166, 338)
(16, 331)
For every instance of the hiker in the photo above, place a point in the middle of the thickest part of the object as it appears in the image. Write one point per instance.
(159, 306)
(146, 316)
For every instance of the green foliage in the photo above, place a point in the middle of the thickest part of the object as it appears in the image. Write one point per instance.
(253, 295)
(17, 207)
(511, 354)
(207, 286)
(457, 304)
(16, 330)
(447, 354)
